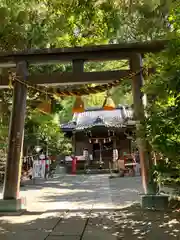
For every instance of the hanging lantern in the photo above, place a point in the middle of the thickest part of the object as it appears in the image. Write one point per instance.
(108, 104)
(78, 105)
(45, 107)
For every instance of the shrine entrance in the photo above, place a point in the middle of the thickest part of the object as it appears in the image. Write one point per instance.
(102, 152)
(18, 63)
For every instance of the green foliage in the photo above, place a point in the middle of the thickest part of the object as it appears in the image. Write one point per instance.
(66, 113)
(35, 24)
(44, 130)
(39, 24)
(163, 124)
(94, 100)
(122, 94)
(166, 172)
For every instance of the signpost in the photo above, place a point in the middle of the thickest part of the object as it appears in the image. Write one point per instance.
(38, 169)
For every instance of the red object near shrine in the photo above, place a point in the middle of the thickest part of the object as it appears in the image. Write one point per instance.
(74, 163)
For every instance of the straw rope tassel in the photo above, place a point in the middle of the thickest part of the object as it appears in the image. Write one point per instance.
(76, 91)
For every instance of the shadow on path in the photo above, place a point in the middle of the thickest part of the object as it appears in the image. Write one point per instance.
(128, 223)
(83, 208)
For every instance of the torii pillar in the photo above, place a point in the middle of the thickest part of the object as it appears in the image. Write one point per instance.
(139, 114)
(149, 200)
(11, 200)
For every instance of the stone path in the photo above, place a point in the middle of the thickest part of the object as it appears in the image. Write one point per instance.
(87, 207)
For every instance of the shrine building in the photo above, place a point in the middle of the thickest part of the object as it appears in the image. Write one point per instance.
(100, 131)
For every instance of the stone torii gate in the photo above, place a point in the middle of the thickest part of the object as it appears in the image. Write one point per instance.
(133, 52)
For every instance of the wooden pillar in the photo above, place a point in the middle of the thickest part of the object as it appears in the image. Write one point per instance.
(16, 129)
(114, 143)
(145, 155)
(78, 66)
(100, 152)
(74, 143)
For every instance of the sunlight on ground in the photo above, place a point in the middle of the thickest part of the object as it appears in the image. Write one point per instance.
(65, 191)
(19, 219)
(129, 190)
(170, 223)
(51, 213)
(63, 184)
(107, 206)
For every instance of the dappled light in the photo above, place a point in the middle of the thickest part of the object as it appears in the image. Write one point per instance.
(86, 207)
(127, 223)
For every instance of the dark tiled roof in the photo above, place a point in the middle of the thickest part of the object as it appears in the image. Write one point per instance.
(119, 117)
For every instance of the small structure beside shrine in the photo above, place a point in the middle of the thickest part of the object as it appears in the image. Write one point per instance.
(100, 132)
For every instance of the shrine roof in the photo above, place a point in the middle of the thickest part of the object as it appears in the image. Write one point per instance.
(120, 117)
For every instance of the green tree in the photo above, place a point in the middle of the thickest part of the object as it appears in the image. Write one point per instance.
(38, 24)
(163, 125)
(43, 24)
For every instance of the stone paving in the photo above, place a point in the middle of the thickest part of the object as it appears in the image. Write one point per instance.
(87, 207)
